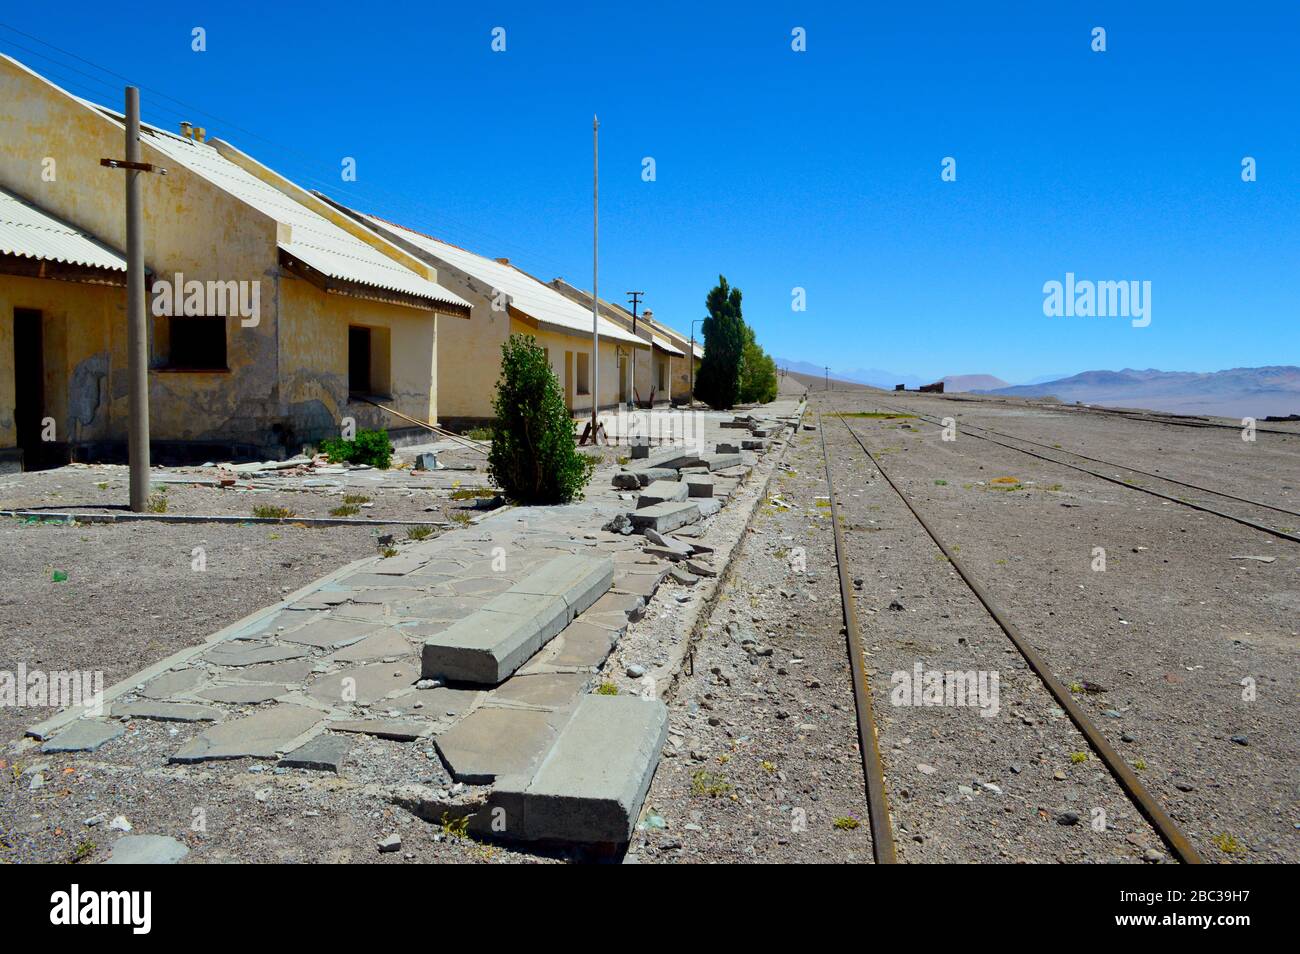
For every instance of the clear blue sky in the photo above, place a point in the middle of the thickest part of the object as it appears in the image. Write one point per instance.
(780, 169)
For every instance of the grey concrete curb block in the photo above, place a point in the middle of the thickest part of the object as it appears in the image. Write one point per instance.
(214, 518)
(589, 787)
(487, 646)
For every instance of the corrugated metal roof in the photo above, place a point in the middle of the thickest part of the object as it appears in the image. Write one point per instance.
(30, 232)
(314, 239)
(666, 345)
(535, 299)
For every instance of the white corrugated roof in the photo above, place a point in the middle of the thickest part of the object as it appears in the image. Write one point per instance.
(29, 232)
(533, 298)
(314, 239)
(665, 345)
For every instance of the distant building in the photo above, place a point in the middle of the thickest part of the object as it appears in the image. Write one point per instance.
(341, 314)
(666, 367)
(505, 300)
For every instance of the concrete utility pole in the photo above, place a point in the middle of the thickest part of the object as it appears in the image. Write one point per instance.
(828, 377)
(635, 298)
(137, 329)
(691, 360)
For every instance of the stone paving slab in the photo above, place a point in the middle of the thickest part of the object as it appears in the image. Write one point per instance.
(241, 653)
(589, 787)
(171, 683)
(398, 730)
(247, 694)
(84, 735)
(493, 741)
(383, 644)
(363, 685)
(262, 735)
(147, 850)
(544, 690)
(329, 633)
(166, 711)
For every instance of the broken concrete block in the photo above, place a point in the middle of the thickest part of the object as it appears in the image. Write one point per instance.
(727, 448)
(698, 486)
(754, 445)
(626, 480)
(721, 461)
(707, 506)
(325, 753)
(660, 491)
(428, 460)
(589, 787)
(665, 516)
(640, 451)
(398, 730)
(487, 646)
(648, 475)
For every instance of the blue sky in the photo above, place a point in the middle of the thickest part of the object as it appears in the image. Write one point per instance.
(818, 170)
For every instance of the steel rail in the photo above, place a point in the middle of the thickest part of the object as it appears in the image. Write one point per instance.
(1123, 774)
(1244, 521)
(882, 831)
(1144, 473)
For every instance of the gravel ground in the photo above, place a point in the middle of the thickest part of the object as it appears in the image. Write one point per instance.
(1172, 626)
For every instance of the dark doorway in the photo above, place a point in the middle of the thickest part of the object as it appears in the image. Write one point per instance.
(29, 386)
(358, 360)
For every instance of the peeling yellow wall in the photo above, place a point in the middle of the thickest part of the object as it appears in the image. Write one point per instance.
(314, 360)
(78, 322)
(557, 344)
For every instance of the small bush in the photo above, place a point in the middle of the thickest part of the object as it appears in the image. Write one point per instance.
(346, 510)
(368, 447)
(533, 457)
(418, 533)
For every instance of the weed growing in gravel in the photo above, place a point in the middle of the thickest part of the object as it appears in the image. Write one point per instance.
(471, 493)
(267, 511)
(455, 828)
(157, 503)
(768, 767)
(103, 485)
(388, 552)
(1006, 483)
(460, 517)
(607, 689)
(1140, 765)
(1076, 687)
(346, 510)
(1078, 757)
(1054, 487)
(418, 533)
(846, 823)
(941, 483)
(355, 499)
(83, 851)
(708, 785)
(1228, 844)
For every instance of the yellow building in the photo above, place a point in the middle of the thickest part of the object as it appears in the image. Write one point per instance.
(505, 300)
(272, 315)
(666, 368)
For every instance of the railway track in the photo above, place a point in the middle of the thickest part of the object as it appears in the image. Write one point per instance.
(1244, 521)
(877, 798)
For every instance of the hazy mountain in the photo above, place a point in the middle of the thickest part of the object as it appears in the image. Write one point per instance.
(876, 377)
(973, 382)
(1237, 392)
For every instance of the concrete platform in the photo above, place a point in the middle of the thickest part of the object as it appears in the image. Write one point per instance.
(486, 647)
(589, 787)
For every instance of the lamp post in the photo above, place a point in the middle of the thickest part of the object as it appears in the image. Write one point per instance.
(691, 356)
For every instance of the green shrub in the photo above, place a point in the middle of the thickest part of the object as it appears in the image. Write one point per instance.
(368, 447)
(533, 458)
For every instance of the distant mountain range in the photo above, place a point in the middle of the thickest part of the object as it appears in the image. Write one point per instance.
(1237, 392)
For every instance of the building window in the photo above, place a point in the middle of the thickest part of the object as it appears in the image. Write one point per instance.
(191, 343)
(368, 361)
(584, 361)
